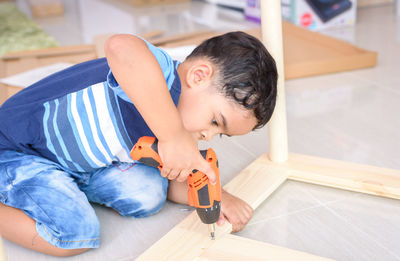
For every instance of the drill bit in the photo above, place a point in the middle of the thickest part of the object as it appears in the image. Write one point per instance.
(211, 228)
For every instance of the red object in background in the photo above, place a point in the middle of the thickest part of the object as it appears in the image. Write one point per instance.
(306, 19)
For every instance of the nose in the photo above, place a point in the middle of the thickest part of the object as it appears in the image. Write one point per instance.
(207, 135)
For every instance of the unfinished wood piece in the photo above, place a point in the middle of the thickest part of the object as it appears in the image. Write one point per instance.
(344, 175)
(364, 3)
(271, 27)
(2, 253)
(307, 53)
(190, 238)
(234, 248)
(143, 3)
(18, 62)
(100, 40)
(168, 41)
(43, 8)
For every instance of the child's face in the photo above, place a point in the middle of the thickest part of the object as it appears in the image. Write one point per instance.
(206, 112)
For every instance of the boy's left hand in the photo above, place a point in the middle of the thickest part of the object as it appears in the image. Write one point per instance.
(235, 210)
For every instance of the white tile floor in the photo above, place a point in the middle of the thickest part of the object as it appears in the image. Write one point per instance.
(352, 116)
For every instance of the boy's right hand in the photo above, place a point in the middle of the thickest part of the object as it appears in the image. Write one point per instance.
(180, 155)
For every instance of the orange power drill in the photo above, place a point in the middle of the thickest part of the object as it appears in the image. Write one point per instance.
(202, 195)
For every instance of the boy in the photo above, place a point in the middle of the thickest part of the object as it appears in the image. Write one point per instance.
(65, 140)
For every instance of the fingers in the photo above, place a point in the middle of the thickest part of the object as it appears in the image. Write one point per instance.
(242, 219)
(207, 169)
(183, 175)
(173, 174)
(221, 219)
(165, 172)
(179, 175)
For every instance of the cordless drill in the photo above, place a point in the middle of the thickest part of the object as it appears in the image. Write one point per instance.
(202, 195)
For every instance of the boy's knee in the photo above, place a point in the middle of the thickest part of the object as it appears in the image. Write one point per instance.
(148, 197)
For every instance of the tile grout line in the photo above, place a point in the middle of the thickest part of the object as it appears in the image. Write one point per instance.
(318, 204)
(354, 226)
(283, 215)
(325, 205)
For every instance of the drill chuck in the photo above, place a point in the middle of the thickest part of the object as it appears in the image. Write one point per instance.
(210, 215)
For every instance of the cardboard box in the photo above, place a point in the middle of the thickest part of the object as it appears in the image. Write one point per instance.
(320, 14)
(314, 15)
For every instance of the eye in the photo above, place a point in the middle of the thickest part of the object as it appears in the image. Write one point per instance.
(214, 122)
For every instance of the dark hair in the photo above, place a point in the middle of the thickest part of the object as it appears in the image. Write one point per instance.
(247, 72)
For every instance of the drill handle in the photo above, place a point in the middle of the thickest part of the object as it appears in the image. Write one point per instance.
(146, 152)
(201, 193)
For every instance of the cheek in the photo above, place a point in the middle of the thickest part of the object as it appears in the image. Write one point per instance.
(193, 118)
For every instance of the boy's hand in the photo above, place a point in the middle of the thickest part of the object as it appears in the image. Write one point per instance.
(180, 156)
(235, 210)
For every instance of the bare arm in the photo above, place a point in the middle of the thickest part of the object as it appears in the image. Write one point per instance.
(138, 73)
(177, 192)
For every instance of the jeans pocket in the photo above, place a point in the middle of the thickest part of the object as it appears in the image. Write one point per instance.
(124, 166)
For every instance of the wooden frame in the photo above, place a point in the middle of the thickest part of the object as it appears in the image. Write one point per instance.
(189, 240)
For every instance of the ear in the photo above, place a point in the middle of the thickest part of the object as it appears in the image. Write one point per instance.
(200, 74)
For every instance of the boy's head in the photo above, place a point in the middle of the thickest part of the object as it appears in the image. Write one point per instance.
(229, 78)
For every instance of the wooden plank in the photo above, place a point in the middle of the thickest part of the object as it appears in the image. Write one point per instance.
(257, 181)
(2, 253)
(143, 3)
(190, 238)
(179, 38)
(43, 8)
(22, 61)
(53, 51)
(309, 53)
(344, 175)
(306, 53)
(364, 3)
(231, 247)
(100, 40)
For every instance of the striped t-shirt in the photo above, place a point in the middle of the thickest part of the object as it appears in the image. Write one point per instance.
(79, 118)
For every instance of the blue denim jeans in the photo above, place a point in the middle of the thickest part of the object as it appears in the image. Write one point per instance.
(58, 199)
